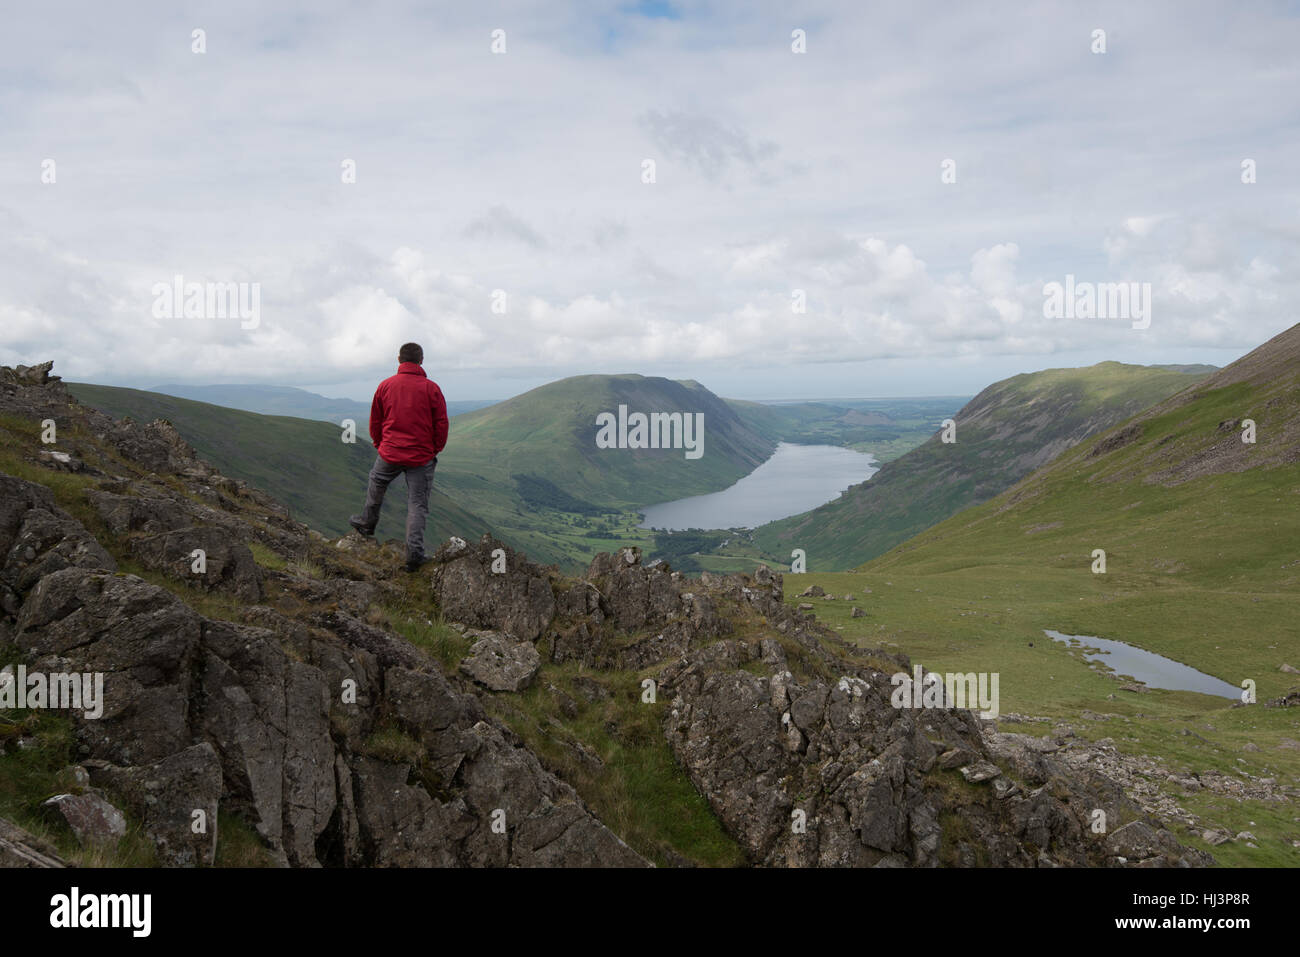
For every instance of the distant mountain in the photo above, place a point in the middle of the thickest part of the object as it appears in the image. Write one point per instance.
(1003, 434)
(287, 400)
(531, 465)
(887, 428)
(1199, 530)
(301, 462)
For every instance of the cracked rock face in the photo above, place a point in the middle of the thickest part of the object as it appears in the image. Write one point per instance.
(500, 663)
(815, 773)
(92, 818)
(516, 599)
(272, 720)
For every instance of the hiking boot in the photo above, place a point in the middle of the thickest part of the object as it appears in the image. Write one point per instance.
(362, 529)
(414, 562)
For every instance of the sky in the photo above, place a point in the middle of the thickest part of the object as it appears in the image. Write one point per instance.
(915, 178)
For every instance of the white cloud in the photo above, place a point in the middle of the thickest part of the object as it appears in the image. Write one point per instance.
(521, 173)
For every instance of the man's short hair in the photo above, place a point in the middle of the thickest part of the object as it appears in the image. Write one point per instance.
(411, 352)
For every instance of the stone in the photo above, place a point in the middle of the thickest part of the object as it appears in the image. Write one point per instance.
(518, 601)
(93, 819)
(500, 663)
(980, 772)
(955, 758)
(165, 796)
(228, 566)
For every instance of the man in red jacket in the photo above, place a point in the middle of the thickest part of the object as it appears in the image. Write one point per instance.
(408, 424)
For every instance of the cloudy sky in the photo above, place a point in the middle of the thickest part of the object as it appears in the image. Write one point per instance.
(523, 172)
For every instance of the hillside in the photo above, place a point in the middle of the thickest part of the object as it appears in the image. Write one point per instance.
(1003, 434)
(287, 400)
(489, 716)
(531, 467)
(1200, 532)
(551, 432)
(527, 469)
(300, 462)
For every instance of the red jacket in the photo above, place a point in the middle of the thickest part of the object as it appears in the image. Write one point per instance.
(408, 417)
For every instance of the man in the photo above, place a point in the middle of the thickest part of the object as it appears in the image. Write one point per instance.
(408, 425)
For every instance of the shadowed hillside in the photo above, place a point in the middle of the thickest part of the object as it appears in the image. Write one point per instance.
(301, 462)
(1003, 434)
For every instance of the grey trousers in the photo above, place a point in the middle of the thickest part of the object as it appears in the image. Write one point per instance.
(419, 482)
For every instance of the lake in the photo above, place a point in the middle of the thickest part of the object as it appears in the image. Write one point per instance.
(795, 479)
(1155, 671)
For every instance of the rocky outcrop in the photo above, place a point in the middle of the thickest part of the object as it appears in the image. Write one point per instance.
(28, 375)
(626, 615)
(489, 585)
(185, 541)
(280, 720)
(38, 538)
(500, 663)
(200, 713)
(829, 773)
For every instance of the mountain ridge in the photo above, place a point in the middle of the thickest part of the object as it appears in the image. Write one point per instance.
(1005, 432)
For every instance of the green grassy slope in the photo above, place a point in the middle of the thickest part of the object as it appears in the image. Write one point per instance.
(1202, 539)
(301, 462)
(287, 400)
(1005, 432)
(497, 459)
(527, 468)
(551, 432)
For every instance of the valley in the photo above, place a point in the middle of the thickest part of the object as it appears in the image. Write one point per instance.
(529, 469)
(1147, 464)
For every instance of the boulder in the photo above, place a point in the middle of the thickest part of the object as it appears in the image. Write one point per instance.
(500, 663)
(92, 819)
(228, 566)
(144, 641)
(175, 800)
(518, 600)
